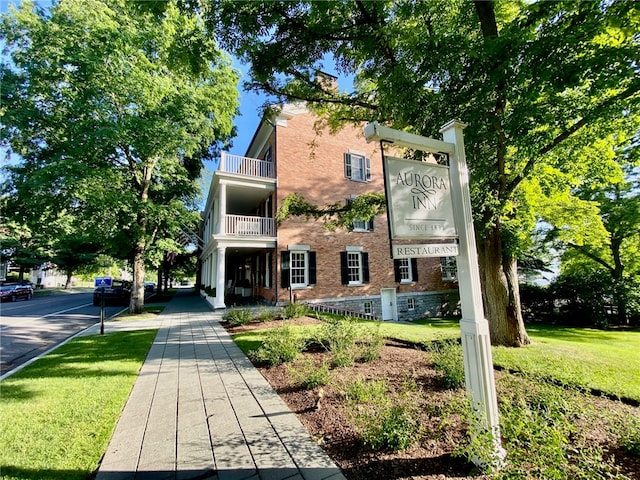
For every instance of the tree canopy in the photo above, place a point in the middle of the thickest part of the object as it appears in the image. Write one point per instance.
(112, 106)
(529, 78)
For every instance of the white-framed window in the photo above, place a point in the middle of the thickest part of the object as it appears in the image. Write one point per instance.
(298, 267)
(405, 270)
(357, 167)
(368, 307)
(449, 269)
(354, 266)
(411, 303)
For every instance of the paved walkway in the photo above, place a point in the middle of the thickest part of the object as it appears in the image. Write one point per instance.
(200, 410)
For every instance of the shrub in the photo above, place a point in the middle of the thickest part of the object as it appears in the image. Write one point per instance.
(388, 427)
(309, 375)
(629, 436)
(281, 345)
(294, 310)
(364, 391)
(370, 344)
(238, 316)
(266, 315)
(446, 356)
(338, 336)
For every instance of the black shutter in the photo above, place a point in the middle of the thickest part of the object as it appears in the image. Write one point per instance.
(396, 270)
(414, 269)
(365, 267)
(367, 171)
(285, 279)
(344, 268)
(371, 225)
(312, 268)
(347, 165)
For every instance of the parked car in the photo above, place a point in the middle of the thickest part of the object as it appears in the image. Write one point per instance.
(118, 293)
(149, 287)
(13, 292)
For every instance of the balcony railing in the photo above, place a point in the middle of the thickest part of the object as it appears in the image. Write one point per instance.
(243, 226)
(246, 166)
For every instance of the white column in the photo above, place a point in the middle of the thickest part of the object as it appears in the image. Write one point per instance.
(220, 276)
(222, 208)
(476, 343)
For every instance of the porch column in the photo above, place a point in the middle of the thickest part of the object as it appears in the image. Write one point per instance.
(220, 276)
(222, 208)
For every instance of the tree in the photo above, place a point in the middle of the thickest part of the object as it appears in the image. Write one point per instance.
(113, 105)
(607, 244)
(526, 77)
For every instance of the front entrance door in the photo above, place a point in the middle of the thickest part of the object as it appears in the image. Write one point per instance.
(389, 304)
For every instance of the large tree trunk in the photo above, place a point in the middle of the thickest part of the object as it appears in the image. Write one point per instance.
(501, 293)
(136, 305)
(69, 282)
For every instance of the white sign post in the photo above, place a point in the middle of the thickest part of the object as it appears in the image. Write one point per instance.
(476, 344)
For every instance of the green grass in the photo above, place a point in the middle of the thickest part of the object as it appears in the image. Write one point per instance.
(57, 415)
(604, 360)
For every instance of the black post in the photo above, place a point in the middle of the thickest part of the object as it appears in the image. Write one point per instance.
(102, 311)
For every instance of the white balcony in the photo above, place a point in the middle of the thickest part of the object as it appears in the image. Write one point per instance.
(251, 167)
(245, 226)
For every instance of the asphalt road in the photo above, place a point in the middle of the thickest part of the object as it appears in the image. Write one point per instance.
(31, 327)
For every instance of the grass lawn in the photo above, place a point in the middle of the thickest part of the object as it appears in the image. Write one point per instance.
(57, 415)
(603, 360)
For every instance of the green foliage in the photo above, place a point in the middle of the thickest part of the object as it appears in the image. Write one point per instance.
(309, 374)
(361, 390)
(383, 423)
(294, 310)
(89, 90)
(266, 315)
(540, 426)
(339, 338)
(238, 316)
(446, 356)
(629, 432)
(349, 341)
(548, 90)
(280, 345)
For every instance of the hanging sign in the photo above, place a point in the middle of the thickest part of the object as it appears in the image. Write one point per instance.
(418, 200)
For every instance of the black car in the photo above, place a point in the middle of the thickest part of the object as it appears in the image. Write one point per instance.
(13, 292)
(119, 293)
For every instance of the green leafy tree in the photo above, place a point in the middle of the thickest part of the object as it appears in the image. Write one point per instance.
(112, 106)
(526, 76)
(609, 246)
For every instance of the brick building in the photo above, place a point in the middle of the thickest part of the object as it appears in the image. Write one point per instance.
(246, 255)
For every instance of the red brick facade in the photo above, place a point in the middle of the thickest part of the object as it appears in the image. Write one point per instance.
(310, 161)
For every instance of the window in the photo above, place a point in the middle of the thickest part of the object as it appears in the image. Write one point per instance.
(411, 303)
(357, 167)
(361, 225)
(405, 270)
(449, 269)
(368, 307)
(298, 268)
(354, 265)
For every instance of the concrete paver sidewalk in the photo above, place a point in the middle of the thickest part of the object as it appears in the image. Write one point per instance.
(200, 410)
